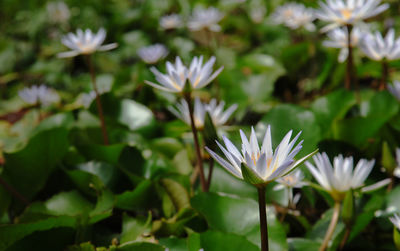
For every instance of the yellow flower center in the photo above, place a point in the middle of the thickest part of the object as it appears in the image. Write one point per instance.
(346, 13)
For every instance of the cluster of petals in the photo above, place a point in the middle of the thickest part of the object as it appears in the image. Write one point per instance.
(153, 53)
(295, 16)
(378, 48)
(348, 12)
(39, 95)
(218, 115)
(267, 165)
(85, 42)
(178, 74)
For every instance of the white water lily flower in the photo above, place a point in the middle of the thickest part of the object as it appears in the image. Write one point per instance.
(344, 12)
(41, 94)
(218, 116)
(202, 18)
(338, 39)
(394, 89)
(294, 16)
(177, 75)
(395, 220)
(172, 21)
(290, 181)
(378, 48)
(259, 166)
(58, 12)
(153, 53)
(85, 42)
(340, 178)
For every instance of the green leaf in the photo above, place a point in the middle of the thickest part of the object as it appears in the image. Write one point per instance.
(174, 243)
(177, 193)
(217, 241)
(136, 199)
(134, 115)
(12, 233)
(140, 246)
(28, 169)
(332, 107)
(239, 216)
(284, 118)
(133, 228)
(68, 203)
(109, 154)
(300, 244)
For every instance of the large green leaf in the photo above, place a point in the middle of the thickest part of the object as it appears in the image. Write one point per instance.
(137, 198)
(332, 107)
(300, 244)
(133, 228)
(216, 241)
(239, 216)
(284, 118)
(140, 246)
(28, 169)
(12, 233)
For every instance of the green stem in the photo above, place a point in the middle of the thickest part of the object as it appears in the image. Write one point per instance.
(196, 143)
(332, 226)
(98, 101)
(262, 206)
(210, 171)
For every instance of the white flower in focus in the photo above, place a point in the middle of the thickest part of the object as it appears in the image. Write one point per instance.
(85, 42)
(177, 75)
(172, 21)
(205, 19)
(340, 178)
(41, 94)
(294, 16)
(344, 12)
(201, 75)
(218, 116)
(153, 53)
(259, 166)
(396, 221)
(338, 39)
(378, 48)
(58, 12)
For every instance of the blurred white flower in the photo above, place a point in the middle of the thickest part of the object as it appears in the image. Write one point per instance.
(338, 39)
(177, 75)
(394, 89)
(294, 16)
(172, 21)
(85, 42)
(202, 18)
(396, 171)
(395, 220)
(257, 10)
(39, 95)
(86, 99)
(259, 166)
(290, 181)
(340, 178)
(378, 48)
(58, 12)
(153, 53)
(344, 12)
(218, 116)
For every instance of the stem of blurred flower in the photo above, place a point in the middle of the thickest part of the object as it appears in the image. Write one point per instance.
(13, 192)
(262, 206)
(203, 182)
(349, 65)
(385, 75)
(345, 238)
(210, 171)
(332, 226)
(98, 101)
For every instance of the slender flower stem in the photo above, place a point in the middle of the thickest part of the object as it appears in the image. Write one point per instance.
(332, 226)
(98, 101)
(203, 182)
(14, 192)
(385, 75)
(349, 65)
(210, 171)
(262, 206)
(345, 238)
